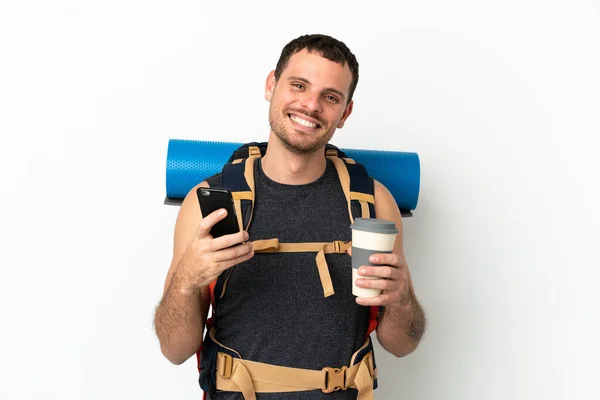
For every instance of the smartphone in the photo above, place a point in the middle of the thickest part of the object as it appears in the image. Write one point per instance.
(212, 199)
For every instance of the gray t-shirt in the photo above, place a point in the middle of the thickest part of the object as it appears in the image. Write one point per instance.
(274, 310)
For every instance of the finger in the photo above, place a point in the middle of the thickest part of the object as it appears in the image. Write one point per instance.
(379, 272)
(242, 258)
(387, 259)
(209, 221)
(350, 251)
(382, 284)
(230, 262)
(226, 241)
(232, 253)
(380, 300)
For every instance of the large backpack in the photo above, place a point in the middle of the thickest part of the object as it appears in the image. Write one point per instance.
(237, 175)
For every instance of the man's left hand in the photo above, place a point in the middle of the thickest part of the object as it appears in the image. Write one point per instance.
(391, 276)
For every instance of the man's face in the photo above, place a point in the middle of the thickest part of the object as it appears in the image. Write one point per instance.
(308, 102)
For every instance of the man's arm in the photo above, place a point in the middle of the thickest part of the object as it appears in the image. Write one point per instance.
(402, 321)
(181, 314)
(198, 259)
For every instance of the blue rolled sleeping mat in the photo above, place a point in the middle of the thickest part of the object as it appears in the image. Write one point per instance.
(189, 162)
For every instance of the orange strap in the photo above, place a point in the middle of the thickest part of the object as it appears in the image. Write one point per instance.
(249, 377)
(249, 175)
(364, 200)
(211, 288)
(369, 198)
(344, 177)
(337, 247)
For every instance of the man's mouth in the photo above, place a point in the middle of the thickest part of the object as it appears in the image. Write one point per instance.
(301, 121)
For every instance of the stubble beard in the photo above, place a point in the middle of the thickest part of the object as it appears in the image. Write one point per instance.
(277, 122)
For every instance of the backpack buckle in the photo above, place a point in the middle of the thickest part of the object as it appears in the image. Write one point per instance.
(225, 365)
(331, 153)
(335, 379)
(339, 246)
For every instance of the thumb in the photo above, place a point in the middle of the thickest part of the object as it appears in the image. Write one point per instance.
(209, 221)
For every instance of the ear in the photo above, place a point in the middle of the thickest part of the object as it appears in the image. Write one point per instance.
(346, 114)
(270, 86)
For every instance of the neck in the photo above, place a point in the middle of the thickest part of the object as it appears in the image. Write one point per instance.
(284, 166)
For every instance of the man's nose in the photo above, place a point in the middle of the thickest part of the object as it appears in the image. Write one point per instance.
(312, 102)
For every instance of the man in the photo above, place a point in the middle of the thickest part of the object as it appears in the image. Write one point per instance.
(274, 311)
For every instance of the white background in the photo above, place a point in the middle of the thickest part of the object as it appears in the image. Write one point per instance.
(500, 100)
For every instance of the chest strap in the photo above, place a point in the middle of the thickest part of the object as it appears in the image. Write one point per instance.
(336, 247)
(273, 246)
(250, 377)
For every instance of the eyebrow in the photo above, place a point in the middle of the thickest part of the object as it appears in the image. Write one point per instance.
(298, 78)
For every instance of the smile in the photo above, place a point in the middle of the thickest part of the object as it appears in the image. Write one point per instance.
(303, 122)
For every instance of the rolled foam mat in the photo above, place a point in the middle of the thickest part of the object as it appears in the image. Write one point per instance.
(189, 162)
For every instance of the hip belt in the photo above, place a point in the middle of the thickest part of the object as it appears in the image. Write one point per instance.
(234, 374)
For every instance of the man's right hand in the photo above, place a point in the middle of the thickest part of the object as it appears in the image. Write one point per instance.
(205, 257)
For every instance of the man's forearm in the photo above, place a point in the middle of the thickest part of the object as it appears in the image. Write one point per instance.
(401, 328)
(179, 322)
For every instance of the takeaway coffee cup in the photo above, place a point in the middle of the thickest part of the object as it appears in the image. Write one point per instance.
(370, 236)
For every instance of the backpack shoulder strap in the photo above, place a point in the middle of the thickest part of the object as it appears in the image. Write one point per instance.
(238, 176)
(358, 186)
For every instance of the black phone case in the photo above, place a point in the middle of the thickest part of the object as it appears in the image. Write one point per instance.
(212, 199)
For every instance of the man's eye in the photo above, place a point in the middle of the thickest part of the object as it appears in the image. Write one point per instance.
(332, 98)
(298, 85)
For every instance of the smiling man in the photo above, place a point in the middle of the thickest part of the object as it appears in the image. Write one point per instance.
(274, 334)
(309, 98)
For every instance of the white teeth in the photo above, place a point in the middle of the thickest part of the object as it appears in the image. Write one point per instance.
(303, 122)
